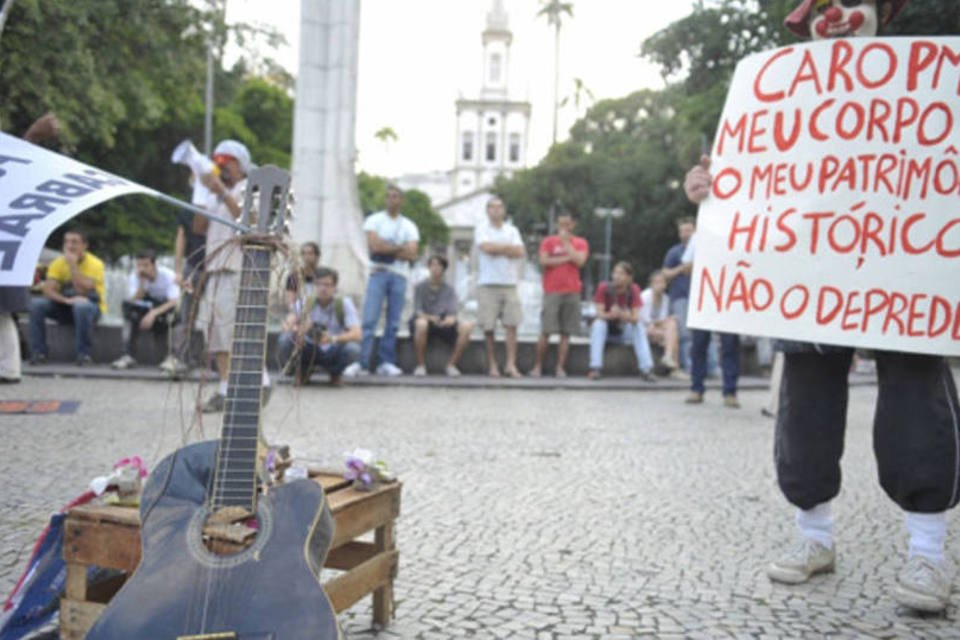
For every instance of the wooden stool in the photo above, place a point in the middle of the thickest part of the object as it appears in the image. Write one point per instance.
(109, 537)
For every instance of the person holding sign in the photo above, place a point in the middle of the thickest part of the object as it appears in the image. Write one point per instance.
(17, 299)
(917, 421)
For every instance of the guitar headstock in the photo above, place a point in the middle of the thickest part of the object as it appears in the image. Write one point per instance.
(266, 205)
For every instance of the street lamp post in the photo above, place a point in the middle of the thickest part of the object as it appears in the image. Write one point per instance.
(608, 214)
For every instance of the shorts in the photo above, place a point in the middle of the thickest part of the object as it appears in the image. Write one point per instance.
(494, 301)
(447, 334)
(218, 310)
(560, 313)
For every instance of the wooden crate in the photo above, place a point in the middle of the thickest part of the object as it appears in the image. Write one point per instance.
(109, 537)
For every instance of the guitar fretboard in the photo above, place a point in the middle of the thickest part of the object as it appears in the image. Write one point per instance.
(235, 474)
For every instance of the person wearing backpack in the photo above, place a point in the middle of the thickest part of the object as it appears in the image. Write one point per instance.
(322, 330)
(618, 322)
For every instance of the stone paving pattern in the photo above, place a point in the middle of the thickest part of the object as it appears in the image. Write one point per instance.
(541, 514)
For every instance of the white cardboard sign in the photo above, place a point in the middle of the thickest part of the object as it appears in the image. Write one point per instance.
(39, 191)
(834, 213)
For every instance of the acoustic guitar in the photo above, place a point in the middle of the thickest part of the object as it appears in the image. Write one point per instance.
(269, 590)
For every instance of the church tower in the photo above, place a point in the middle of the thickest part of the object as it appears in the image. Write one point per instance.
(492, 130)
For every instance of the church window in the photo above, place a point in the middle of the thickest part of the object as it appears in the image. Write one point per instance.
(495, 68)
(514, 147)
(491, 147)
(467, 152)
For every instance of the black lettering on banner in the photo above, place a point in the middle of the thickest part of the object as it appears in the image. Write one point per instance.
(17, 225)
(5, 159)
(95, 179)
(34, 201)
(65, 189)
(9, 251)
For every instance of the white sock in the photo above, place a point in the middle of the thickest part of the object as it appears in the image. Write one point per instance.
(266, 378)
(816, 524)
(223, 388)
(928, 532)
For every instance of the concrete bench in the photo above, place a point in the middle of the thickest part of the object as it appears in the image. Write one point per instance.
(150, 349)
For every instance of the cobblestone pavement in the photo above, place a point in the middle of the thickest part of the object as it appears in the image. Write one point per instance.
(529, 514)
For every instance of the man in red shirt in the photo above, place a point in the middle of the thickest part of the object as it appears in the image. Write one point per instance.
(561, 257)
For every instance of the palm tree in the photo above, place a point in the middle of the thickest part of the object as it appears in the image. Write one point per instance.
(580, 91)
(386, 135)
(554, 9)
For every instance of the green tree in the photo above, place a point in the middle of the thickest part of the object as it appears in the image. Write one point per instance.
(416, 206)
(125, 78)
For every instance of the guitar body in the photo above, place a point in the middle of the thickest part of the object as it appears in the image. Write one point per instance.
(271, 590)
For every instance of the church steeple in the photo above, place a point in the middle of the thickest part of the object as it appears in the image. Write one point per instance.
(492, 129)
(496, 51)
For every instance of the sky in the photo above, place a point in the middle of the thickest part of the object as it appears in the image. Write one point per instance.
(418, 56)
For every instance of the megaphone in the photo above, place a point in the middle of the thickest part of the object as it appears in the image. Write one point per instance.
(187, 154)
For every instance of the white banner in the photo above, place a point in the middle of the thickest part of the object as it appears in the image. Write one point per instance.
(39, 191)
(834, 214)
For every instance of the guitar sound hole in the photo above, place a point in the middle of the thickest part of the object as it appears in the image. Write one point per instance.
(230, 530)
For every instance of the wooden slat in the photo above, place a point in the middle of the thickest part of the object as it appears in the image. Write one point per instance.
(383, 596)
(107, 513)
(347, 589)
(350, 555)
(104, 544)
(76, 581)
(354, 517)
(77, 617)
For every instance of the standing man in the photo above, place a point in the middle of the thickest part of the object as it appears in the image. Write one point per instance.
(916, 424)
(152, 297)
(561, 257)
(729, 352)
(435, 309)
(188, 261)
(326, 329)
(224, 262)
(302, 283)
(14, 300)
(499, 250)
(73, 293)
(678, 288)
(393, 240)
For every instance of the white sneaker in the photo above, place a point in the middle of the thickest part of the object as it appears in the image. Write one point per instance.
(354, 370)
(452, 371)
(801, 561)
(668, 363)
(389, 369)
(922, 585)
(124, 362)
(420, 371)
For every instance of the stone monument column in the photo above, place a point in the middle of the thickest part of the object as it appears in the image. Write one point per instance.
(324, 151)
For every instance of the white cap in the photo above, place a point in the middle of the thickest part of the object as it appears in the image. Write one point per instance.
(236, 149)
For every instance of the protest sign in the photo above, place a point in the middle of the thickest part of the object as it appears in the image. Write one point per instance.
(834, 213)
(39, 191)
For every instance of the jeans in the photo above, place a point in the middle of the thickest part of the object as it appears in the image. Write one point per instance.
(392, 288)
(633, 333)
(678, 309)
(334, 358)
(82, 315)
(729, 360)
(133, 313)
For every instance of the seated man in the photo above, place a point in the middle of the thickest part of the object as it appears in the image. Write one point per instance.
(151, 305)
(73, 293)
(618, 321)
(435, 310)
(322, 330)
(661, 327)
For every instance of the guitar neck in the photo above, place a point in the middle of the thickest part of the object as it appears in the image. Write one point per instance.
(235, 473)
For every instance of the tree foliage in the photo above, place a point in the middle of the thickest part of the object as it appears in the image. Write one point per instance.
(126, 80)
(632, 152)
(416, 206)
